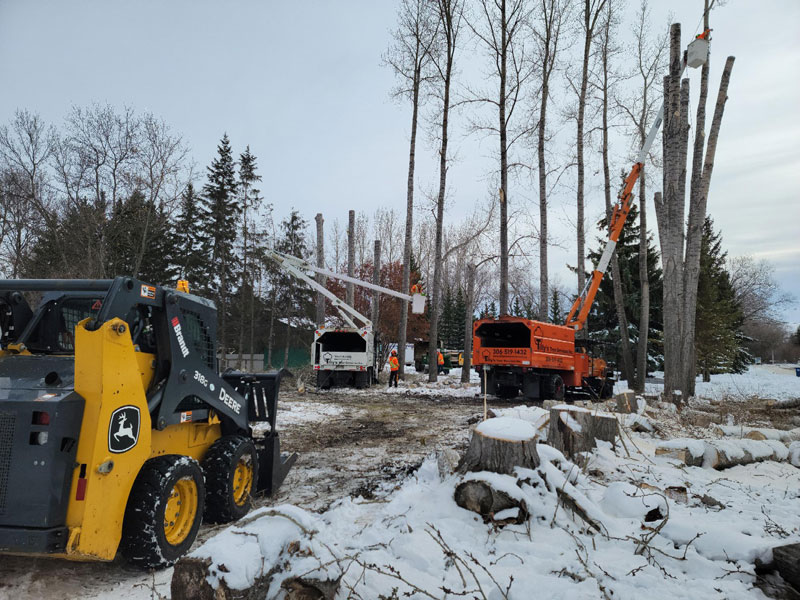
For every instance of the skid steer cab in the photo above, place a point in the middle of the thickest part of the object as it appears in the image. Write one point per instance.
(117, 433)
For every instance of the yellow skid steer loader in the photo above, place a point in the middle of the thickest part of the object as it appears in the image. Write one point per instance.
(117, 433)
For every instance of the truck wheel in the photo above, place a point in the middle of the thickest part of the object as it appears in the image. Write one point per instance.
(555, 387)
(164, 511)
(231, 470)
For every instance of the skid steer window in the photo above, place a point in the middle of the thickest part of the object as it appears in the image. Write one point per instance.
(55, 326)
(197, 337)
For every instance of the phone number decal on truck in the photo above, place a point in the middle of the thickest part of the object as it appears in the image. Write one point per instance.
(509, 351)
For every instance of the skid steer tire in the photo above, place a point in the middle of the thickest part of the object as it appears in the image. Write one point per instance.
(231, 470)
(164, 511)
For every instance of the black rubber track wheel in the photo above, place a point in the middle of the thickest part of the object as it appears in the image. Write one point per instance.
(166, 502)
(231, 470)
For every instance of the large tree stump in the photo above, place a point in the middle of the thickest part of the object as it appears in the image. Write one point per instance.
(499, 445)
(574, 430)
(787, 561)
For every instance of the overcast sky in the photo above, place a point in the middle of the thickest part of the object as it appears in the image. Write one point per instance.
(302, 84)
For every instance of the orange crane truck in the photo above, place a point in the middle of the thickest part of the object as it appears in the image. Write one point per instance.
(544, 360)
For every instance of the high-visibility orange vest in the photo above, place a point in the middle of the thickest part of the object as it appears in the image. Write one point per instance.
(394, 364)
(441, 359)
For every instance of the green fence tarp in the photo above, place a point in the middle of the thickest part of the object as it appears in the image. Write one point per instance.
(298, 357)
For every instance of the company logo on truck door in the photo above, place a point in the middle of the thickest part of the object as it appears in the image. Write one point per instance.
(123, 429)
(176, 325)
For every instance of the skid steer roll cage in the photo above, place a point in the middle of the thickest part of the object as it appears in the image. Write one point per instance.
(185, 374)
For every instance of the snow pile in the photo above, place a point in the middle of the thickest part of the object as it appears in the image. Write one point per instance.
(305, 412)
(759, 381)
(507, 428)
(584, 537)
(794, 454)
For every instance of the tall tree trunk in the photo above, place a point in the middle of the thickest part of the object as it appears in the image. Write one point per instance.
(544, 280)
(244, 283)
(351, 256)
(271, 337)
(412, 149)
(470, 302)
(376, 279)
(449, 26)
(671, 210)
(644, 284)
(320, 278)
(503, 163)
(581, 236)
(616, 279)
(697, 214)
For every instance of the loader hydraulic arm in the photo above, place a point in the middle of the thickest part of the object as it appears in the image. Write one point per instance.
(695, 56)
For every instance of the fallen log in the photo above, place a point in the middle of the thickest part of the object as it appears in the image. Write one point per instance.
(758, 433)
(574, 430)
(722, 454)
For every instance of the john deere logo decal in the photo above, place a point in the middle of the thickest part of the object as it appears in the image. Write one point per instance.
(123, 429)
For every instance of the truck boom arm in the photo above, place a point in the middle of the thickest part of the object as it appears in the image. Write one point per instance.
(583, 303)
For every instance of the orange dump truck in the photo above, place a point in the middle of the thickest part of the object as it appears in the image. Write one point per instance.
(538, 360)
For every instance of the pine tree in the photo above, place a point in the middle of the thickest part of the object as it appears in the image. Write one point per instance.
(250, 202)
(189, 258)
(294, 300)
(603, 317)
(516, 309)
(718, 338)
(220, 211)
(459, 318)
(556, 312)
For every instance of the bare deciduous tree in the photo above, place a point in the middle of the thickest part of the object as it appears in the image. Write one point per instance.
(410, 58)
(450, 15)
(547, 32)
(502, 27)
(680, 250)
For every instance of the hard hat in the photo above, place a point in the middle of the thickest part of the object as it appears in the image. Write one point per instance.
(394, 351)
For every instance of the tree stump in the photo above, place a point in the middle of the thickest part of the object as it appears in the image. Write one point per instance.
(499, 445)
(626, 402)
(574, 430)
(787, 561)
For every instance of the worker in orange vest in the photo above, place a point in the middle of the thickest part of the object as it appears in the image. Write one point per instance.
(394, 368)
(440, 360)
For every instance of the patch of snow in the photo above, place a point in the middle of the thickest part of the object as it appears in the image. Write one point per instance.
(625, 500)
(507, 428)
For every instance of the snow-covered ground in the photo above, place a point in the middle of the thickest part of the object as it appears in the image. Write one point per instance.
(776, 382)
(420, 543)
(386, 530)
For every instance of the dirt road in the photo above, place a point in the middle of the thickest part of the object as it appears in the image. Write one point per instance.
(348, 444)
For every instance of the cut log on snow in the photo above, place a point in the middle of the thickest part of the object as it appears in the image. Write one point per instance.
(574, 429)
(722, 454)
(497, 499)
(787, 561)
(304, 588)
(758, 433)
(499, 445)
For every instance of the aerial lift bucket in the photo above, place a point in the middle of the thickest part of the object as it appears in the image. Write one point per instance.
(697, 53)
(261, 392)
(417, 304)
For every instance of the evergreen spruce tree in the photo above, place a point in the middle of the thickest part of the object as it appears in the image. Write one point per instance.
(446, 320)
(718, 340)
(295, 302)
(603, 316)
(250, 202)
(188, 256)
(516, 309)
(220, 213)
(459, 318)
(556, 312)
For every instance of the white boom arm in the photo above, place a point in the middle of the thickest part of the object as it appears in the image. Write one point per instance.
(298, 266)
